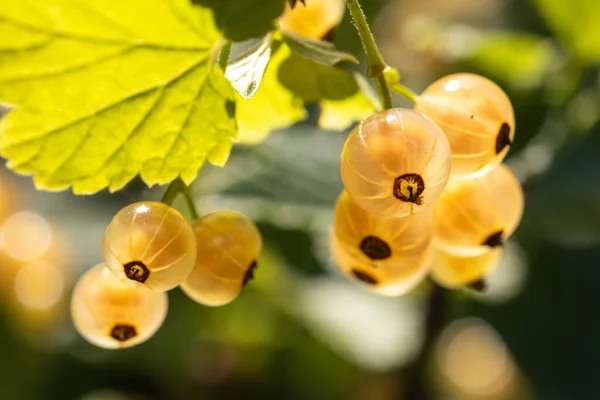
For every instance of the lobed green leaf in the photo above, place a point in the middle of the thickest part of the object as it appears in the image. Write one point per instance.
(273, 107)
(107, 90)
(290, 82)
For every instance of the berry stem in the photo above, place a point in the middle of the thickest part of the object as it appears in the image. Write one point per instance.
(224, 55)
(179, 187)
(384, 93)
(375, 62)
(405, 92)
(171, 192)
(190, 202)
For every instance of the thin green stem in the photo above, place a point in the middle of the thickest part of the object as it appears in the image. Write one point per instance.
(384, 93)
(375, 61)
(224, 55)
(190, 202)
(406, 93)
(171, 192)
(179, 187)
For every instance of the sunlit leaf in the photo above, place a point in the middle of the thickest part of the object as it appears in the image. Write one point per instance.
(343, 101)
(292, 81)
(338, 115)
(273, 107)
(106, 90)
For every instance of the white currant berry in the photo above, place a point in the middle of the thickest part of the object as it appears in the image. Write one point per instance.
(452, 271)
(113, 314)
(228, 247)
(475, 215)
(477, 118)
(395, 163)
(150, 243)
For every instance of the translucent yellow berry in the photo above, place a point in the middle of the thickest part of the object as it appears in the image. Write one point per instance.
(228, 247)
(475, 215)
(113, 314)
(151, 244)
(313, 20)
(381, 242)
(395, 163)
(453, 271)
(477, 118)
(387, 280)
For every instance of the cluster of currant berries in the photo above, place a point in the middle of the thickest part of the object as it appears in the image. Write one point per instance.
(426, 190)
(149, 248)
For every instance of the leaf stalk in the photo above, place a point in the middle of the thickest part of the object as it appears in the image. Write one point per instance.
(405, 92)
(179, 187)
(224, 55)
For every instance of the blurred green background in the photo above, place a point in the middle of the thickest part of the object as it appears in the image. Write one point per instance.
(299, 331)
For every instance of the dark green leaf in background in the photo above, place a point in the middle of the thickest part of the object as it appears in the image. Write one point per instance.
(316, 50)
(313, 82)
(240, 20)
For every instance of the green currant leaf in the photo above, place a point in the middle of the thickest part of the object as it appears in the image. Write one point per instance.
(316, 50)
(344, 96)
(107, 90)
(240, 20)
(272, 107)
(337, 115)
(576, 23)
(312, 82)
(297, 167)
(247, 71)
(290, 81)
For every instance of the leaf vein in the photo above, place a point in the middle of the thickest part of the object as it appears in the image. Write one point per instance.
(128, 97)
(99, 40)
